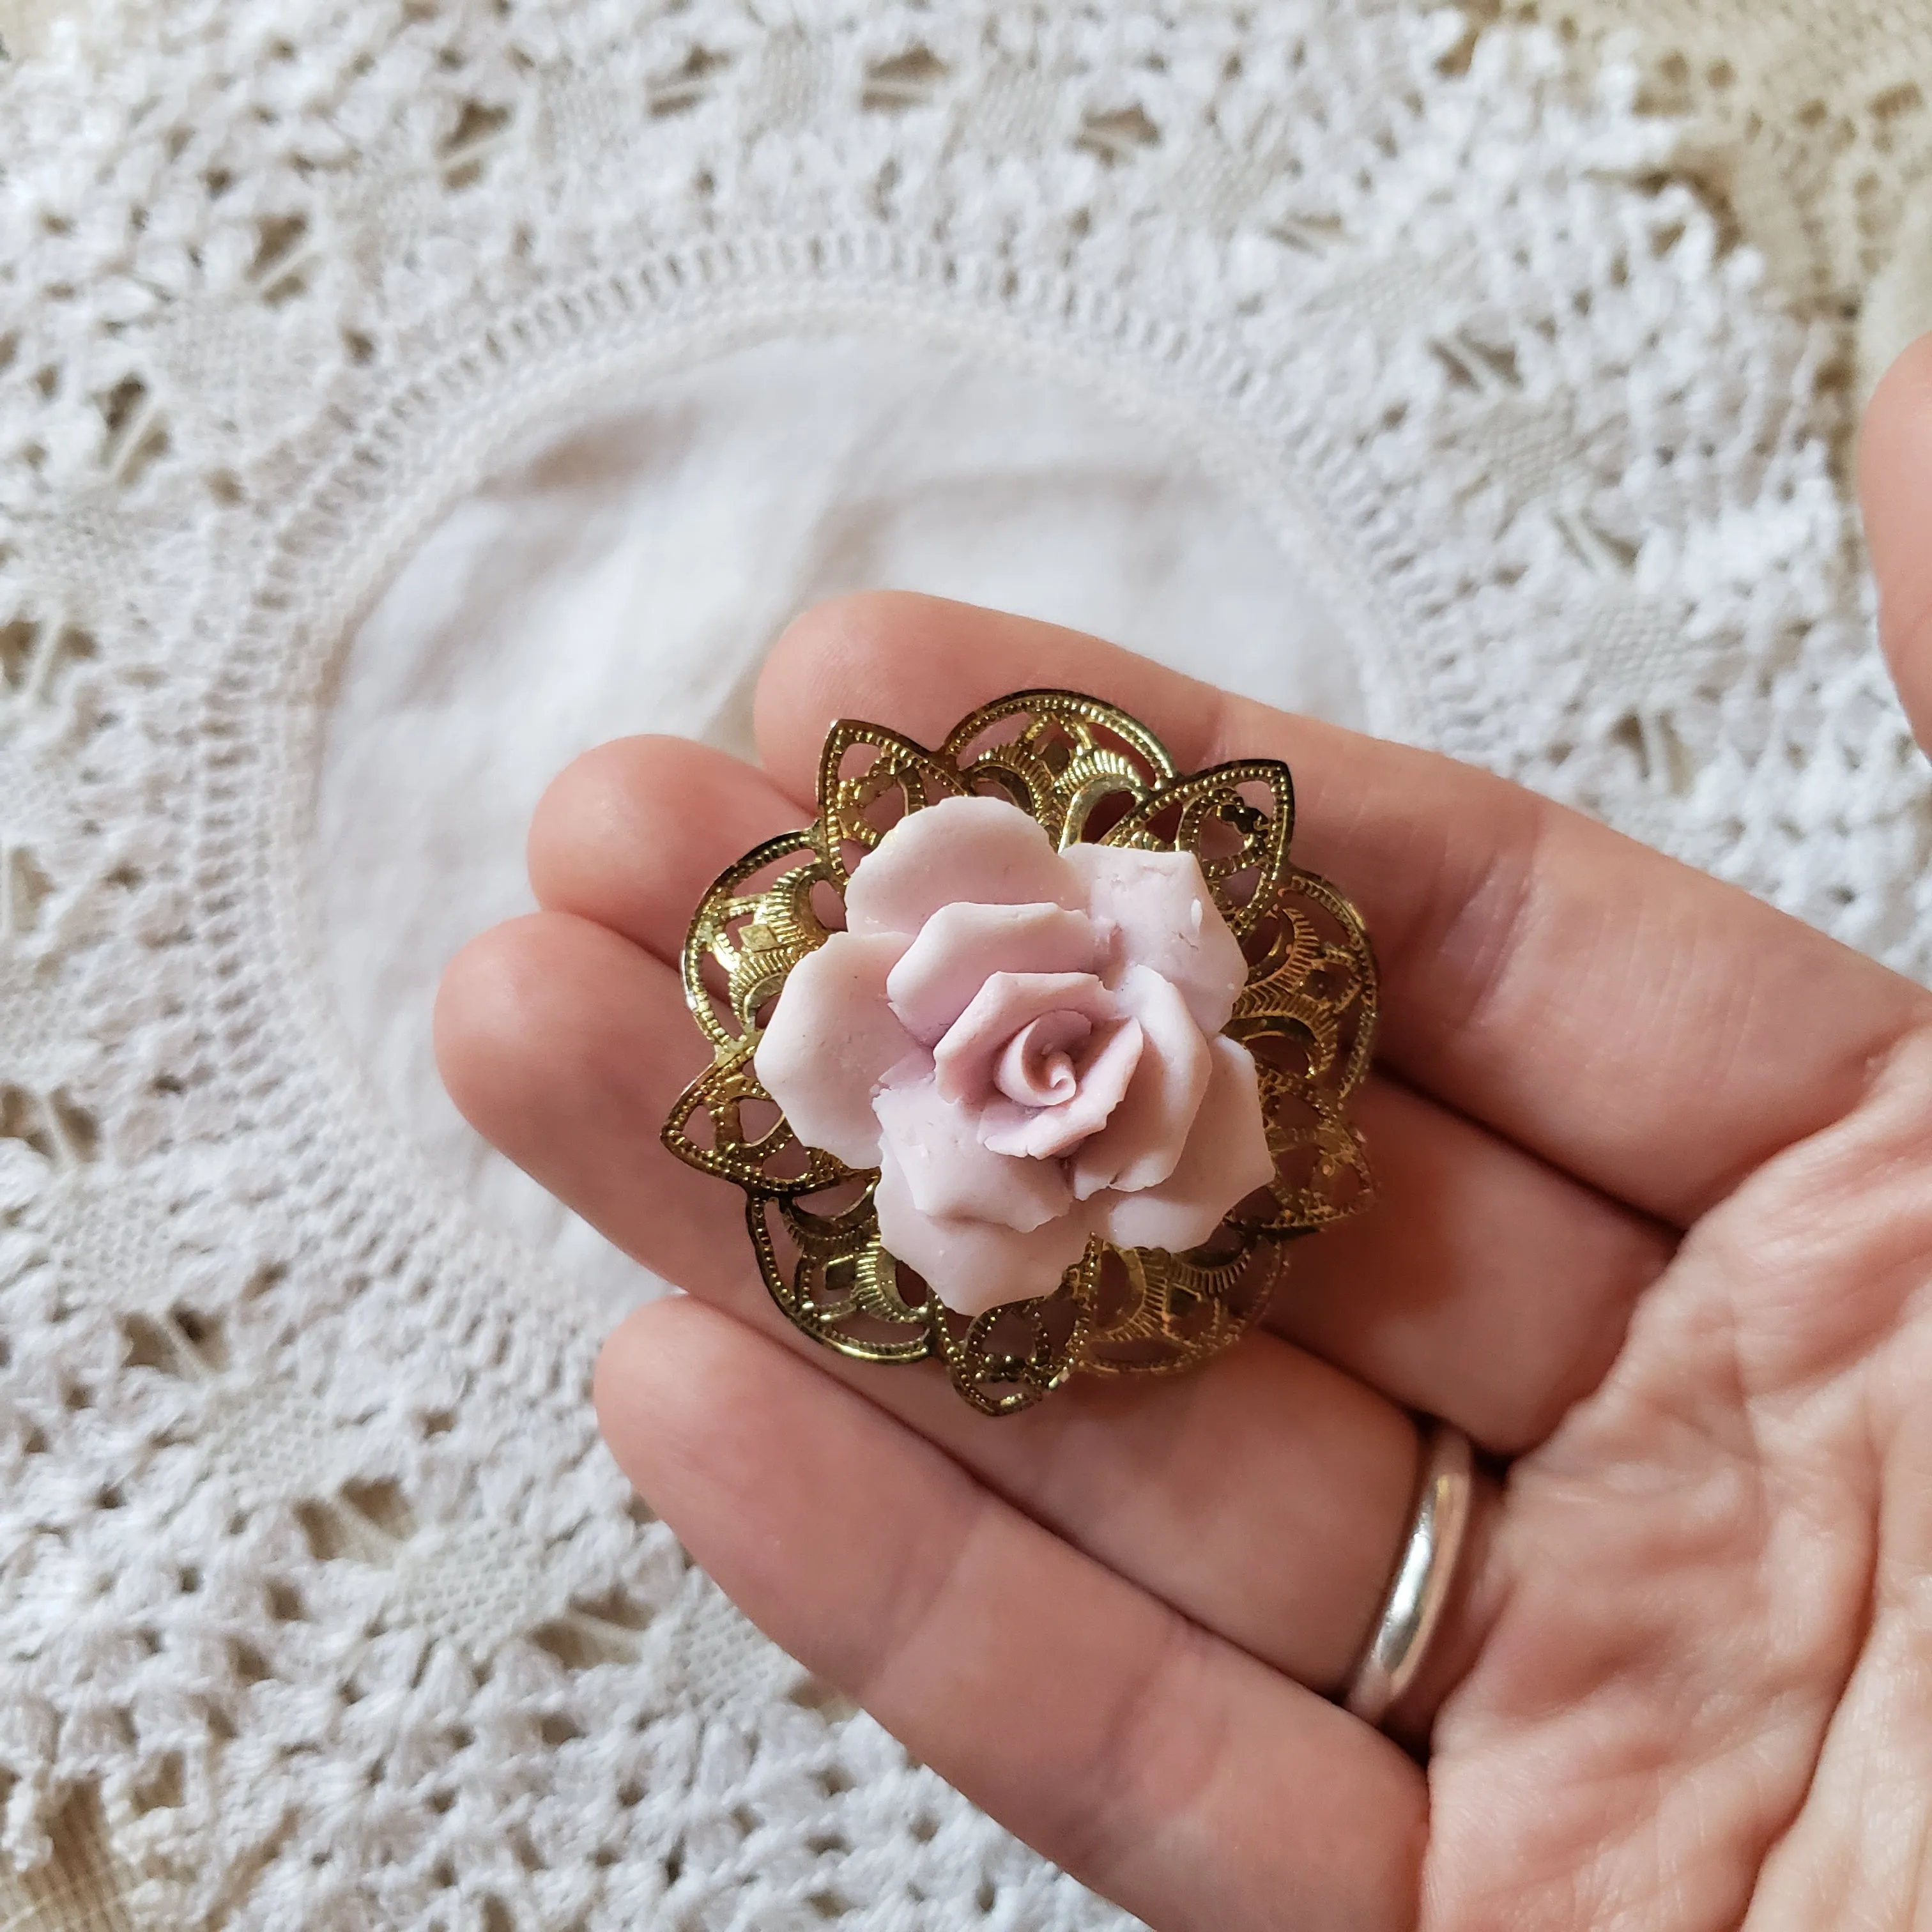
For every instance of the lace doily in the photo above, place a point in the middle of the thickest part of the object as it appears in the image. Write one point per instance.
(322, 1605)
(1806, 124)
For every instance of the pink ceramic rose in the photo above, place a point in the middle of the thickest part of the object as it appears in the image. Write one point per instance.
(1027, 1044)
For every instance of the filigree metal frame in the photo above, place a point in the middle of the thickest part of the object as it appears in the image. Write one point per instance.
(1082, 769)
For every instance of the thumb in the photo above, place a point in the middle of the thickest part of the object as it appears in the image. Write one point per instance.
(1895, 484)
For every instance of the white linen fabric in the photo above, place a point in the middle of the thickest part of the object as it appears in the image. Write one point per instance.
(395, 398)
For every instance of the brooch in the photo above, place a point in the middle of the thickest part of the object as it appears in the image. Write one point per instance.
(1030, 1053)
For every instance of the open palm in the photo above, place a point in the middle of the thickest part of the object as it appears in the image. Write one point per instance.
(1654, 1228)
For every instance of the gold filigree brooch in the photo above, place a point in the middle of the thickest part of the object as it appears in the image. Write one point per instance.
(1030, 1053)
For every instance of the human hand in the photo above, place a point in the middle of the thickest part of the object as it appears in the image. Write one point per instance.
(1654, 1227)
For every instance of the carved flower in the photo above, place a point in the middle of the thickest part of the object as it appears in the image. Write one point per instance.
(1027, 1044)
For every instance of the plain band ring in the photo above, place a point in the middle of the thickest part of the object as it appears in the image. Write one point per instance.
(1413, 1607)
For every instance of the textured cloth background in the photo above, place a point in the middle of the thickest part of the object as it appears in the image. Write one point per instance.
(1806, 124)
(1808, 127)
(396, 398)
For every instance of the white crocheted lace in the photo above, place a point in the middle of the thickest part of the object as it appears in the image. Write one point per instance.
(1808, 123)
(320, 1605)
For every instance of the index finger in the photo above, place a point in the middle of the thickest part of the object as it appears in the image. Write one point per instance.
(1657, 1033)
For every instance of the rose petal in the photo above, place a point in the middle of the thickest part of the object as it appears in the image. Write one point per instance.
(1158, 904)
(971, 1265)
(936, 1146)
(1226, 1157)
(1142, 1141)
(1006, 1004)
(1045, 1133)
(831, 1039)
(982, 850)
(961, 944)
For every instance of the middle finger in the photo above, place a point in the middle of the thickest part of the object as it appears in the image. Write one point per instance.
(1481, 1284)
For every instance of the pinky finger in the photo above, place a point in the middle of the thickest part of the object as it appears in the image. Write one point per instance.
(1165, 1768)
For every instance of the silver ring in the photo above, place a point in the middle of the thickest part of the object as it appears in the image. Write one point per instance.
(1413, 1607)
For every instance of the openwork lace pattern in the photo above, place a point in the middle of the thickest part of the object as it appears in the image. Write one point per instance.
(320, 1604)
(1808, 125)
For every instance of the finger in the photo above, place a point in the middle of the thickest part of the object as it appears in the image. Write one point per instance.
(1895, 481)
(1479, 1284)
(632, 834)
(1266, 1497)
(1164, 1768)
(564, 1045)
(1657, 1033)
(1482, 1286)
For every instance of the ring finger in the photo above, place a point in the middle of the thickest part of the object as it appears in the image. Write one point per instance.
(1265, 1497)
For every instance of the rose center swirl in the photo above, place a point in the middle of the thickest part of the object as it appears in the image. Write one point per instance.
(1038, 1068)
